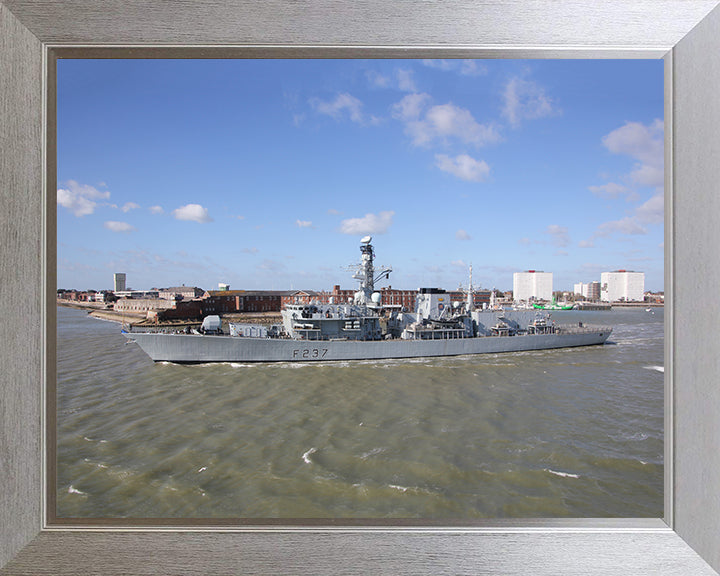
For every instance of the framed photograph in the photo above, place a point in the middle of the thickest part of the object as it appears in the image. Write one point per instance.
(361, 397)
(685, 540)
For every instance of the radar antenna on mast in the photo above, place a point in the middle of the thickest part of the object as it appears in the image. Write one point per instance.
(365, 272)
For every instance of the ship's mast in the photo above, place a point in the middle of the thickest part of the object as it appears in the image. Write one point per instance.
(470, 299)
(365, 272)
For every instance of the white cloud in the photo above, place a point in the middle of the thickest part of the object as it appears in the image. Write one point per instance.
(368, 224)
(446, 65)
(193, 212)
(118, 226)
(130, 206)
(627, 225)
(406, 83)
(652, 211)
(333, 212)
(80, 199)
(559, 235)
(402, 79)
(410, 107)
(303, 223)
(446, 121)
(377, 79)
(613, 190)
(463, 67)
(271, 266)
(464, 167)
(647, 175)
(337, 108)
(472, 68)
(252, 250)
(525, 100)
(156, 210)
(644, 144)
(458, 264)
(462, 235)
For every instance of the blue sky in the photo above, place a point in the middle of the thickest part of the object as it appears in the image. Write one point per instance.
(265, 174)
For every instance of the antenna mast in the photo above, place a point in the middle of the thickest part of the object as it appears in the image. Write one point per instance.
(470, 298)
(365, 272)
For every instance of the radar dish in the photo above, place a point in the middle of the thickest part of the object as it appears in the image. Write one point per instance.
(366, 240)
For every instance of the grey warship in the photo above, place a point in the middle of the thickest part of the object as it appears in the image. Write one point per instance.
(365, 329)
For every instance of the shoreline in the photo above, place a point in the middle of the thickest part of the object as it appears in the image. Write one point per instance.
(99, 310)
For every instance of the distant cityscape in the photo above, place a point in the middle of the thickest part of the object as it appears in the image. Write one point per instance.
(191, 302)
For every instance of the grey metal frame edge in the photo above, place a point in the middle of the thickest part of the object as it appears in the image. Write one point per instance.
(685, 32)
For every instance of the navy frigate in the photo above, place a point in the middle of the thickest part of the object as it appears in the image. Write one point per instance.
(365, 329)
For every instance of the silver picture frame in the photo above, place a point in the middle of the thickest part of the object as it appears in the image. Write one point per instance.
(686, 33)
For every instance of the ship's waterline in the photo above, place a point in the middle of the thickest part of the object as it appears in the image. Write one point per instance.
(554, 433)
(197, 348)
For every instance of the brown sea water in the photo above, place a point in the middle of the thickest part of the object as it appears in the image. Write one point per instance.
(559, 433)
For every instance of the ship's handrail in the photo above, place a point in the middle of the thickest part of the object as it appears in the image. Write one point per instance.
(590, 329)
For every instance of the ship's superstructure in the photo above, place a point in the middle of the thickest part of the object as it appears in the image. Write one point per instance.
(366, 329)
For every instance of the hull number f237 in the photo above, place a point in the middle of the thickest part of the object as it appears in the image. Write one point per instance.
(309, 353)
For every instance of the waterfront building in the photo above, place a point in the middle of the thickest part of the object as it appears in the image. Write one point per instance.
(160, 308)
(655, 297)
(181, 293)
(219, 301)
(119, 282)
(481, 298)
(142, 305)
(305, 297)
(137, 294)
(622, 286)
(404, 299)
(389, 296)
(73, 295)
(532, 285)
(590, 291)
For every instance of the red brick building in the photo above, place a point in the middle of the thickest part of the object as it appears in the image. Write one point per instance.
(183, 309)
(403, 298)
(480, 297)
(223, 301)
(303, 297)
(77, 296)
(390, 296)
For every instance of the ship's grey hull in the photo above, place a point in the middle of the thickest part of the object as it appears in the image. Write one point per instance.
(191, 348)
